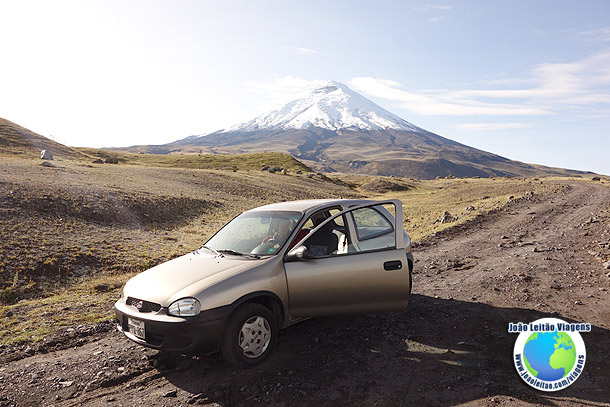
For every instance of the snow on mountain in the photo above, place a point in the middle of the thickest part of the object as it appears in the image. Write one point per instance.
(332, 106)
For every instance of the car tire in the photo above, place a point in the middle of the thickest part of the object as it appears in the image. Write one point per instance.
(250, 336)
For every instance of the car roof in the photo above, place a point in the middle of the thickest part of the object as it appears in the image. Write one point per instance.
(310, 205)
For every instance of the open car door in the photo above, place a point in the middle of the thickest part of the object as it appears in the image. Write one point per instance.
(366, 272)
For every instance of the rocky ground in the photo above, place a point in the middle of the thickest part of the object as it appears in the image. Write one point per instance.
(538, 257)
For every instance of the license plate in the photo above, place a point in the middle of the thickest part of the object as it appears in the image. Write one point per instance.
(136, 328)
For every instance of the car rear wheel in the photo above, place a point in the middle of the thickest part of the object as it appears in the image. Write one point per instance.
(249, 336)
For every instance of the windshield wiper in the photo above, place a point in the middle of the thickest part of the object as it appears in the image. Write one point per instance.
(216, 252)
(235, 252)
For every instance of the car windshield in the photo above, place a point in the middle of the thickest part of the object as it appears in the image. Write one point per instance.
(255, 233)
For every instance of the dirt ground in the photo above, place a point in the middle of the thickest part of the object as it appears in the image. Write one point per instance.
(538, 257)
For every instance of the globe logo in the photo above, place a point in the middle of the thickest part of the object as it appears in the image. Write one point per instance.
(549, 353)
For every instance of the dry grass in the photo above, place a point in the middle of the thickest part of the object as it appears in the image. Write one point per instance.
(425, 202)
(235, 162)
(72, 235)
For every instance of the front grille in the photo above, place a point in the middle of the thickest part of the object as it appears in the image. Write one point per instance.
(143, 306)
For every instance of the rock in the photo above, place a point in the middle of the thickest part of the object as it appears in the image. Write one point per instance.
(592, 179)
(265, 168)
(171, 393)
(47, 164)
(271, 170)
(447, 218)
(66, 383)
(299, 172)
(470, 208)
(98, 161)
(284, 171)
(195, 398)
(46, 155)
(29, 351)
(607, 265)
(111, 160)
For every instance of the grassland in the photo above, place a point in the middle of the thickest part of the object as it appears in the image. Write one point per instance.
(72, 234)
(234, 162)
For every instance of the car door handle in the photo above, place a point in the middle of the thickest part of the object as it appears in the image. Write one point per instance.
(392, 265)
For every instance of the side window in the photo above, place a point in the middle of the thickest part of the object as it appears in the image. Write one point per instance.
(373, 228)
(327, 241)
(373, 231)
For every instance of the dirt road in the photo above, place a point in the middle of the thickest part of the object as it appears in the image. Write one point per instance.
(538, 257)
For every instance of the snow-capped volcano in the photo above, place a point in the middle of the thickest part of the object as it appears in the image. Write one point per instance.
(332, 128)
(332, 106)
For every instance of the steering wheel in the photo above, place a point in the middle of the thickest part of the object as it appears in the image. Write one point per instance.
(270, 239)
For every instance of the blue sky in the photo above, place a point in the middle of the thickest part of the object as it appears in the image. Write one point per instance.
(529, 80)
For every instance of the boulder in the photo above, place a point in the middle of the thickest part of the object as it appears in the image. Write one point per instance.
(112, 160)
(447, 218)
(98, 161)
(595, 179)
(46, 155)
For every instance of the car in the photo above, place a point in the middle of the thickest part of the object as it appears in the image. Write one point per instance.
(269, 268)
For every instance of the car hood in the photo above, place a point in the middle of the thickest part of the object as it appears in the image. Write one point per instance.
(162, 283)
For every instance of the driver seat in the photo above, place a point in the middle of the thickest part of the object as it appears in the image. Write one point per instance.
(324, 241)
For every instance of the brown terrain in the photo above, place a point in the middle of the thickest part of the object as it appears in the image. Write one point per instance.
(487, 252)
(539, 256)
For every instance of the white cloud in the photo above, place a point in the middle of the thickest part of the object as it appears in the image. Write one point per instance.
(434, 7)
(547, 88)
(301, 50)
(437, 19)
(600, 34)
(492, 126)
(437, 102)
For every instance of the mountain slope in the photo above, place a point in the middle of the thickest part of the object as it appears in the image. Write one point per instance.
(333, 128)
(15, 139)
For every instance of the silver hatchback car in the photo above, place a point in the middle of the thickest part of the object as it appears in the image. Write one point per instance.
(266, 269)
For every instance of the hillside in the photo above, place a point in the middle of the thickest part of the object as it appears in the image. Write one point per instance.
(17, 140)
(244, 161)
(389, 152)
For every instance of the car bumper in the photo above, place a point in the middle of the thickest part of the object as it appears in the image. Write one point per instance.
(198, 334)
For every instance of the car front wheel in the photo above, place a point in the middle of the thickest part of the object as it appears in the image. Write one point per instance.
(250, 335)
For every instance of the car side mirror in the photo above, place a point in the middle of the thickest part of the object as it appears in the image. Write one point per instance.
(300, 253)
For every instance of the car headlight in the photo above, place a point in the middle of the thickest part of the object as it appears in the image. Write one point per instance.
(185, 307)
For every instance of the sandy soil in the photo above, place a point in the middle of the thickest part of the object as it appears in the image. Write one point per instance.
(538, 257)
